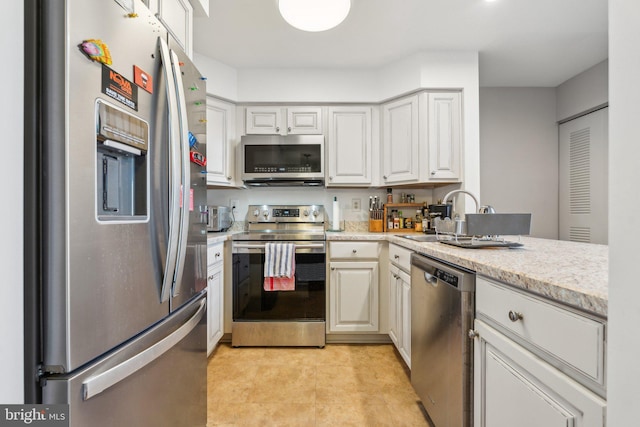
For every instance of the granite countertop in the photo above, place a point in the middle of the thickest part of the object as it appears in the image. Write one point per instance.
(575, 274)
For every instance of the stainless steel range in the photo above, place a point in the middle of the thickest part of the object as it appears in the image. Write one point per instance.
(294, 317)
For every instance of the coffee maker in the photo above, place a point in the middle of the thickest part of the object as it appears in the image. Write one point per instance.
(441, 211)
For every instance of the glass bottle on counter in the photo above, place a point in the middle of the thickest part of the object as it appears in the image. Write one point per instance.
(417, 225)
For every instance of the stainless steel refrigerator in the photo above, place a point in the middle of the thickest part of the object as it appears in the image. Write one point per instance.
(115, 229)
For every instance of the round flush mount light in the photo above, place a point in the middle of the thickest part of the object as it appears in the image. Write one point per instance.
(314, 15)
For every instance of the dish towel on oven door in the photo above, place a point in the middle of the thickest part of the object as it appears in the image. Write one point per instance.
(279, 267)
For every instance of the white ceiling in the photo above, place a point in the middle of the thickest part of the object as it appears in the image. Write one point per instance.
(520, 42)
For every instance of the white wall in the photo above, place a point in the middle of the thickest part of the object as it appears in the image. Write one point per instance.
(11, 181)
(519, 154)
(222, 80)
(583, 92)
(307, 195)
(623, 385)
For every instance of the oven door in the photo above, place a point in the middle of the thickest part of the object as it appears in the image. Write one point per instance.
(252, 303)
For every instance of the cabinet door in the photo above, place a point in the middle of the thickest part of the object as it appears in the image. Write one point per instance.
(304, 120)
(444, 136)
(220, 142)
(401, 141)
(215, 290)
(404, 299)
(353, 297)
(394, 306)
(514, 387)
(349, 144)
(177, 17)
(264, 120)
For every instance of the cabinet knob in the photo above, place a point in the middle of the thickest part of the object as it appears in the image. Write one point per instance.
(384, 176)
(289, 129)
(217, 254)
(354, 251)
(473, 334)
(396, 256)
(229, 178)
(514, 316)
(330, 178)
(277, 128)
(333, 268)
(433, 172)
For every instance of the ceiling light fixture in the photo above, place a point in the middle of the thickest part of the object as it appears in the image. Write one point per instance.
(314, 15)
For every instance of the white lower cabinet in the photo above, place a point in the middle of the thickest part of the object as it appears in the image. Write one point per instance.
(400, 300)
(514, 387)
(354, 287)
(536, 362)
(215, 295)
(400, 311)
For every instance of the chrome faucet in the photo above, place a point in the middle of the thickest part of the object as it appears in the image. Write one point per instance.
(450, 193)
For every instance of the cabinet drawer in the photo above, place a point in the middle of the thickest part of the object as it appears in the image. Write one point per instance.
(575, 340)
(400, 256)
(354, 250)
(215, 253)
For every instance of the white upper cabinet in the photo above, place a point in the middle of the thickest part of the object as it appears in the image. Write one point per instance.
(283, 120)
(422, 139)
(177, 17)
(444, 136)
(220, 142)
(349, 146)
(400, 142)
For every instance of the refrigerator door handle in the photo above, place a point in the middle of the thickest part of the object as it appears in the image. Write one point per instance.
(186, 177)
(174, 173)
(99, 383)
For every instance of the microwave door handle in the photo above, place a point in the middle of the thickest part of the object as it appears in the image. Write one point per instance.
(174, 175)
(186, 177)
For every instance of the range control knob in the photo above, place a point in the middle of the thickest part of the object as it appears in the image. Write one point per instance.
(305, 212)
(265, 214)
(315, 213)
(256, 212)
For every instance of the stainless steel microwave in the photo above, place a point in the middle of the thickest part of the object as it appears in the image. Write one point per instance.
(271, 160)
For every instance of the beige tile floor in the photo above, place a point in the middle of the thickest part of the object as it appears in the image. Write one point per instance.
(339, 385)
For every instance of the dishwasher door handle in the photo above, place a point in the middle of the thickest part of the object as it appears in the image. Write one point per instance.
(430, 278)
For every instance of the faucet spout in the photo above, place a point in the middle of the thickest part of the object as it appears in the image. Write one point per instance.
(451, 193)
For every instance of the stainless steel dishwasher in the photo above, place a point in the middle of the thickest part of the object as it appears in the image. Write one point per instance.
(442, 309)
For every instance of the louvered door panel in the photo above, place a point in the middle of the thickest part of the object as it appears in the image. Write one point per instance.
(583, 179)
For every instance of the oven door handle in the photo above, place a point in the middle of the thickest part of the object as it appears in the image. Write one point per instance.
(262, 246)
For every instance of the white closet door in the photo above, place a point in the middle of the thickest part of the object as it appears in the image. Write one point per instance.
(583, 178)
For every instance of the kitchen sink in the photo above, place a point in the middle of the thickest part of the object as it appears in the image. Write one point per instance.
(419, 237)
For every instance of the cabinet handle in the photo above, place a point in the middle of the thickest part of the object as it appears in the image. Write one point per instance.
(473, 334)
(514, 316)
(210, 278)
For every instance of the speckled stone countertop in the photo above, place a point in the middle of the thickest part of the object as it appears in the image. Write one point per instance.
(572, 273)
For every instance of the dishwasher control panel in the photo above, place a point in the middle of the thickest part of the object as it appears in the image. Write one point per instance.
(445, 276)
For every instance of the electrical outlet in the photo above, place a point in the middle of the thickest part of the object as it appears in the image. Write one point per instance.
(233, 203)
(355, 204)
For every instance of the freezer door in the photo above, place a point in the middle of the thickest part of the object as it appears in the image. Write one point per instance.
(103, 255)
(154, 381)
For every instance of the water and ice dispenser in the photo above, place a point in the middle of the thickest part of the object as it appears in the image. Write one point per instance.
(122, 172)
